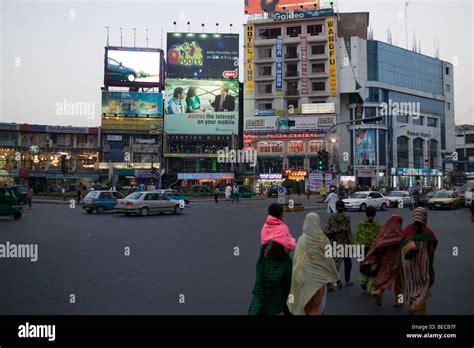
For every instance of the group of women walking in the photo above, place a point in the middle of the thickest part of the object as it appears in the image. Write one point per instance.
(394, 258)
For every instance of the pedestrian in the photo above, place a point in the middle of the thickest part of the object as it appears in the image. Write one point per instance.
(228, 192)
(472, 205)
(308, 192)
(385, 254)
(331, 201)
(79, 192)
(366, 234)
(235, 193)
(29, 197)
(418, 247)
(322, 191)
(312, 270)
(338, 230)
(63, 191)
(273, 277)
(216, 193)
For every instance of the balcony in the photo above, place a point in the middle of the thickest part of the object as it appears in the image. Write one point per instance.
(292, 56)
(292, 92)
(264, 78)
(317, 56)
(292, 74)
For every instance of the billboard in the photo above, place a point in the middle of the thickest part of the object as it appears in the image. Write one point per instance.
(365, 147)
(134, 124)
(331, 32)
(288, 124)
(133, 67)
(271, 6)
(318, 108)
(298, 15)
(201, 107)
(192, 55)
(132, 104)
(279, 67)
(249, 29)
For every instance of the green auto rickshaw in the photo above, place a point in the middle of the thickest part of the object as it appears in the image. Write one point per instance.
(21, 192)
(9, 205)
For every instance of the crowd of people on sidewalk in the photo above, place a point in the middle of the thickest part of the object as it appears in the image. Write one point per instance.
(393, 257)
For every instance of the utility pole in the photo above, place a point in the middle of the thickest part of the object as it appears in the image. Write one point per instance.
(406, 23)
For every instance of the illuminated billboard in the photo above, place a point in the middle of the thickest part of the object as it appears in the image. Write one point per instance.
(271, 6)
(192, 55)
(132, 104)
(201, 107)
(133, 67)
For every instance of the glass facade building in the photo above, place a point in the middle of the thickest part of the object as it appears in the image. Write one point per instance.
(396, 66)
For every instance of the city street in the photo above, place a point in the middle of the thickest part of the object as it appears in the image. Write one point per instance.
(191, 255)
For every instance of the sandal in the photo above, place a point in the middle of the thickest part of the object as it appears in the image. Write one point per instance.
(349, 283)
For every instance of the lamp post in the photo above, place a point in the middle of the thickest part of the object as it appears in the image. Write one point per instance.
(391, 163)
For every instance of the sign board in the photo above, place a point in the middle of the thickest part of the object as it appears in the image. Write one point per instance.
(201, 176)
(249, 31)
(288, 124)
(331, 33)
(365, 173)
(318, 108)
(282, 196)
(271, 176)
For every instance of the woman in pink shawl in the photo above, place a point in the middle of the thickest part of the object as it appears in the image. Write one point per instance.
(386, 254)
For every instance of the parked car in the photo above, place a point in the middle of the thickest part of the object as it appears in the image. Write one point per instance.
(396, 196)
(362, 199)
(101, 201)
(173, 194)
(9, 205)
(144, 203)
(445, 199)
(424, 199)
(116, 71)
(21, 192)
(245, 192)
(272, 191)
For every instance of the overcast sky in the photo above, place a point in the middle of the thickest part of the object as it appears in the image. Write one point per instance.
(52, 52)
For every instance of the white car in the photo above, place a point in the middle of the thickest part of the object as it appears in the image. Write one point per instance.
(361, 200)
(144, 203)
(395, 197)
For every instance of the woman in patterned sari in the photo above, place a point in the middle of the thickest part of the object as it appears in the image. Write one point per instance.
(419, 272)
(385, 253)
(312, 270)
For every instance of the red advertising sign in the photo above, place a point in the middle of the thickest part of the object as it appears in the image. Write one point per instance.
(271, 6)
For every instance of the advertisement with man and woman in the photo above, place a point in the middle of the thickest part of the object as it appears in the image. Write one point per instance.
(201, 106)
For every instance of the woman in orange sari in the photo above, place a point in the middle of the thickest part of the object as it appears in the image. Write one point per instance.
(386, 254)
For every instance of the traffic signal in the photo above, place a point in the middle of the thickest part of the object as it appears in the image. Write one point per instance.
(325, 160)
(320, 161)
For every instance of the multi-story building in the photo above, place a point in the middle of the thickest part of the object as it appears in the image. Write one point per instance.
(413, 93)
(48, 156)
(290, 64)
(464, 167)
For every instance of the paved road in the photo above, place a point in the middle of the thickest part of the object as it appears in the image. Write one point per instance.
(191, 254)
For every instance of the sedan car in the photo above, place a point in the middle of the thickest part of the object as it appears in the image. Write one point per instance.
(395, 197)
(144, 203)
(173, 194)
(445, 199)
(101, 201)
(116, 71)
(361, 200)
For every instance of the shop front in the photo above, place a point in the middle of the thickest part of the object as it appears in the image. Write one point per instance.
(404, 178)
(268, 180)
(205, 182)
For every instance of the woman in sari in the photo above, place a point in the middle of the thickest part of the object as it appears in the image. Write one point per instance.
(385, 254)
(419, 272)
(312, 270)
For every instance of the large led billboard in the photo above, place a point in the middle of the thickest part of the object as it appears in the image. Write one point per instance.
(132, 104)
(201, 106)
(133, 67)
(192, 55)
(271, 6)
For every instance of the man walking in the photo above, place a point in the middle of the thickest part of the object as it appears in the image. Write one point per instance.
(235, 193)
(216, 193)
(331, 201)
(79, 192)
(29, 197)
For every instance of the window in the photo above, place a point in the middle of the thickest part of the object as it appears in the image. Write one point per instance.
(315, 29)
(292, 86)
(292, 102)
(264, 53)
(272, 33)
(418, 121)
(106, 195)
(267, 105)
(319, 86)
(270, 146)
(433, 155)
(432, 122)
(447, 70)
(291, 52)
(448, 88)
(295, 146)
(265, 71)
(317, 68)
(402, 118)
(117, 195)
(469, 138)
(318, 49)
(402, 151)
(448, 106)
(374, 195)
(418, 161)
(315, 146)
(292, 70)
(265, 89)
(293, 31)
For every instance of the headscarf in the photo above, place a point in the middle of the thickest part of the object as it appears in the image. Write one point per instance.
(420, 215)
(390, 235)
(311, 268)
